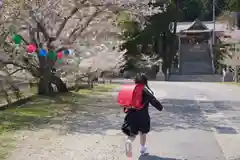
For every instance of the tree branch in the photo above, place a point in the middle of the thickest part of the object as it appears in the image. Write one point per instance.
(32, 35)
(62, 25)
(15, 71)
(72, 13)
(80, 29)
(25, 41)
(13, 63)
(98, 5)
(41, 27)
(39, 43)
(61, 49)
(22, 67)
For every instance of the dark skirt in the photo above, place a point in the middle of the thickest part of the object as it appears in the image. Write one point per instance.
(135, 122)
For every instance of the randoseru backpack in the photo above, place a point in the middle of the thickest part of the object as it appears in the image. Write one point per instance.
(130, 96)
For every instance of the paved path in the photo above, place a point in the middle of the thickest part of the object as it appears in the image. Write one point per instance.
(201, 121)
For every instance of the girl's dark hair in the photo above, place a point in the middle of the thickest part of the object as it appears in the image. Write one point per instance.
(142, 79)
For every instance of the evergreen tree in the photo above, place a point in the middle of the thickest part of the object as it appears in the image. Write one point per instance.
(156, 39)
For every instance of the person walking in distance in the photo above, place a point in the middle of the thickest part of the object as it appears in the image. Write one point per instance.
(137, 120)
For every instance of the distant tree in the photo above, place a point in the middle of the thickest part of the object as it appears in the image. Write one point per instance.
(233, 5)
(201, 9)
(157, 40)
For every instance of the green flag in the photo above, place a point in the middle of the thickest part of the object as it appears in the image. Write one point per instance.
(52, 55)
(17, 39)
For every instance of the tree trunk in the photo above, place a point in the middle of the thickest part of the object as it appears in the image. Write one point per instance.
(90, 84)
(45, 84)
(45, 87)
(61, 86)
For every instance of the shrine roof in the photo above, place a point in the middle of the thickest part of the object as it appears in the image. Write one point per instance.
(206, 26)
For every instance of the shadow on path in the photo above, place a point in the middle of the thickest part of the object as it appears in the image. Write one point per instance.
(187, 114)
(73, 113)
(152, 157)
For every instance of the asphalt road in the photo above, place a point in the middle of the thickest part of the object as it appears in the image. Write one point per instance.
(200, 121)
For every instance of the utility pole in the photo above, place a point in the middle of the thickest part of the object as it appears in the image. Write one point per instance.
(214, 20)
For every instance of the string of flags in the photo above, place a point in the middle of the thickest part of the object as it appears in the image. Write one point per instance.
(32, 48)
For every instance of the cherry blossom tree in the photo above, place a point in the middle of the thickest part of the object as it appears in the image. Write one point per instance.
(58, 25)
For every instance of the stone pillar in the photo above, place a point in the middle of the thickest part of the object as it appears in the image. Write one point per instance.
(236, 73)
(160, 76)
(179, 53)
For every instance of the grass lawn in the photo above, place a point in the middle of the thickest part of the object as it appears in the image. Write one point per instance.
(98, 90)
(40, 111)
(231, 83)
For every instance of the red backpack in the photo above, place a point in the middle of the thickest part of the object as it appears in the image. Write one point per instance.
(130, 96)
